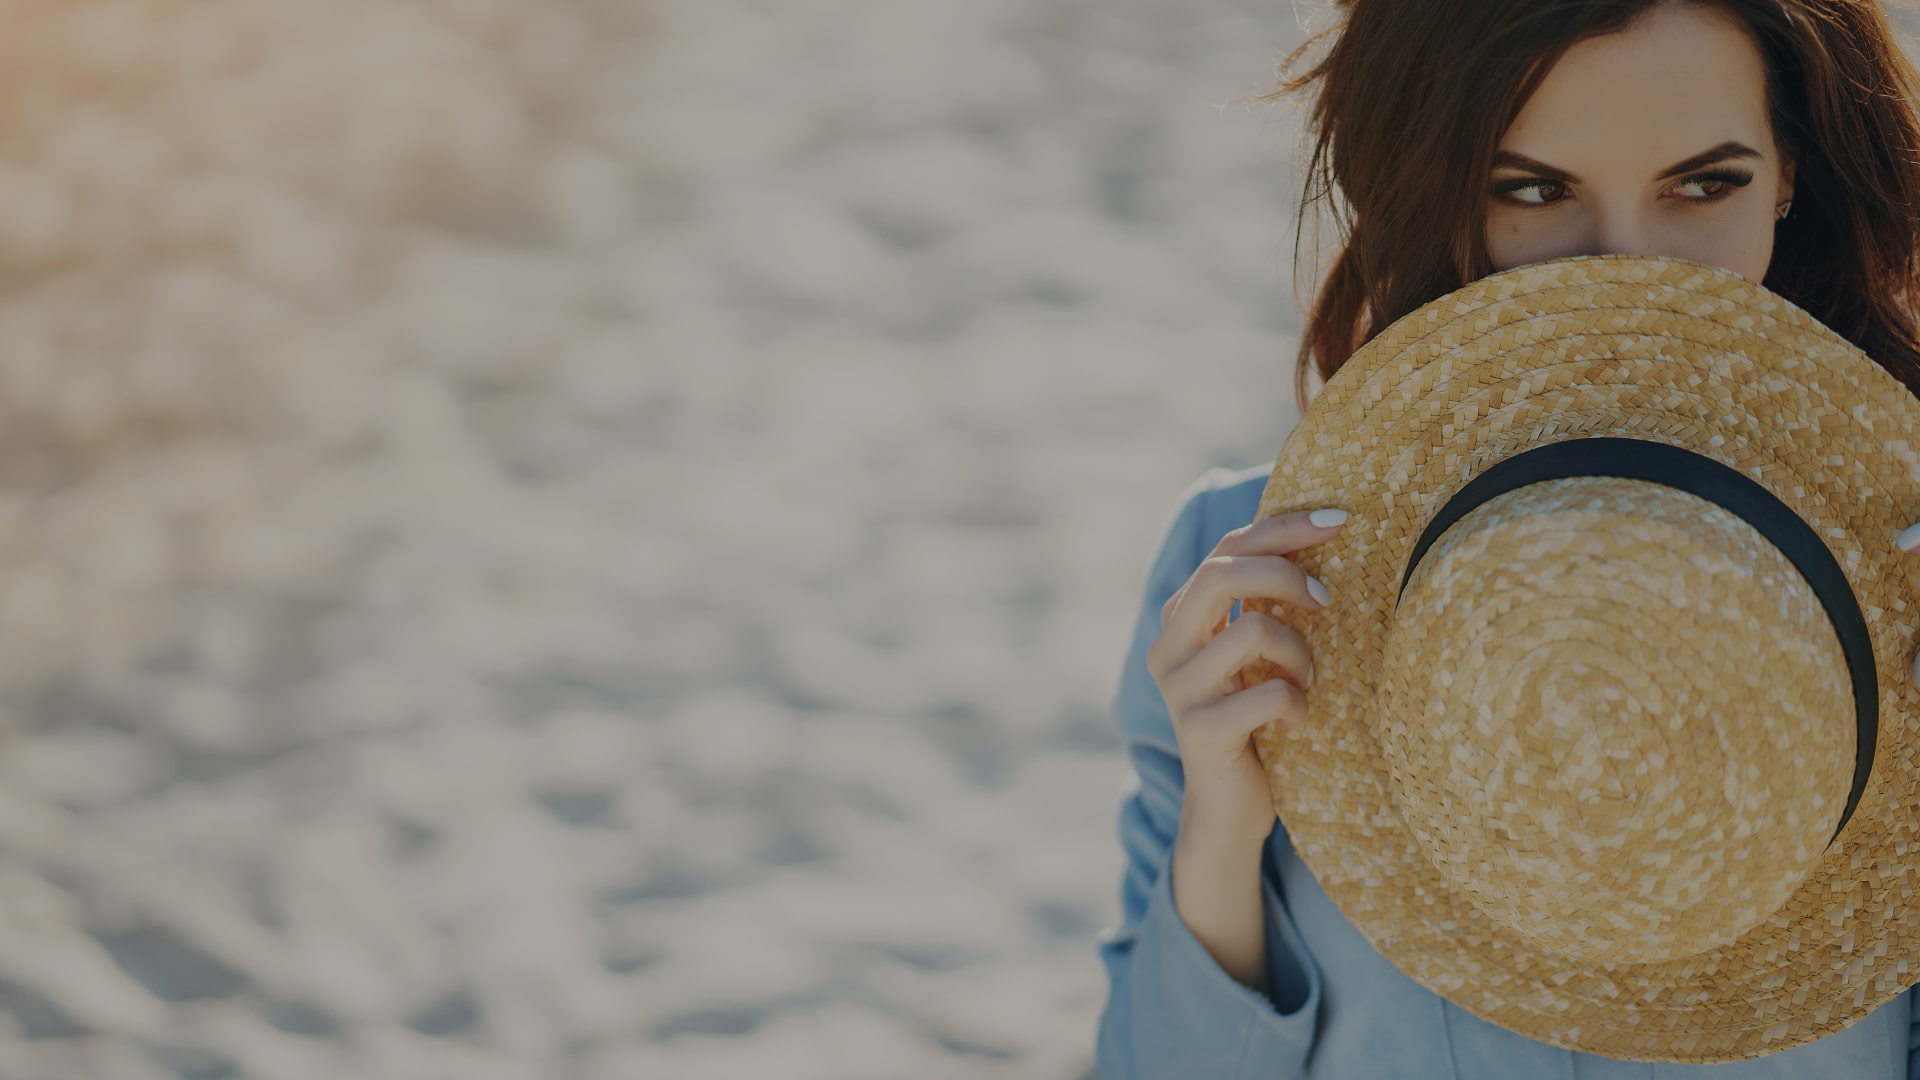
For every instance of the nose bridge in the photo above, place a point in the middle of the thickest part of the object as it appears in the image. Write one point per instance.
(1619, 227)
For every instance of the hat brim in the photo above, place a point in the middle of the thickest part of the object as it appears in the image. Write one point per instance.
(1661, 349)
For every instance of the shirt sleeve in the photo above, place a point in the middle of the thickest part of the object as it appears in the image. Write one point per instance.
(1171, 1010)
(1913, 1033)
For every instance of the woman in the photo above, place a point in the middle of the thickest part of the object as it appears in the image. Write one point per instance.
(1775, 138)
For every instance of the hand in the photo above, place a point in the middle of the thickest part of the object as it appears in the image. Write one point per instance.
(1198, 657)
(1909, 540)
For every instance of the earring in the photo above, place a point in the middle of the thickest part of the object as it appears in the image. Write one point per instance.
(1780, 211)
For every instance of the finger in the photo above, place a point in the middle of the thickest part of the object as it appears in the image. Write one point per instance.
(1274, 535)
(1222, 579)
(1283, 533)
(1217, 668)
(1229, 720)
(1166, 609)
(1909, 538)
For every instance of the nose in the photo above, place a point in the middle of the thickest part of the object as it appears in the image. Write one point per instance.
(1619, 230)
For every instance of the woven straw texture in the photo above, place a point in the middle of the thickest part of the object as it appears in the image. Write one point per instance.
(1655, 884)
(1608, 792)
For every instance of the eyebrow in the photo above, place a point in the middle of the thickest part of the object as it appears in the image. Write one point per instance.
(1725, 150)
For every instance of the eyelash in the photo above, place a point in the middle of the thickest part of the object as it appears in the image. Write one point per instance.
(1733, 179)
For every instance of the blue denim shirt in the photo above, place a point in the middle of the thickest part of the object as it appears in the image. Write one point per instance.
(1336, 1007)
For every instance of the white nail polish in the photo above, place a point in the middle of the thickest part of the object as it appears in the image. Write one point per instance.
(1909, 538)
(1916, 671)
(1318, 591)
(1326, 519)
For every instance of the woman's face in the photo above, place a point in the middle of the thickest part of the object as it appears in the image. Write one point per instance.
(1652, 141)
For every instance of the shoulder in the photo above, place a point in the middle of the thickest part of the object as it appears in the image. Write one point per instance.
(1222, 499)
(1215, 503)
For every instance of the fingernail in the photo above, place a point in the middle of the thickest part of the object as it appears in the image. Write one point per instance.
(1916, 671)
(1318, 591)
(1327, 519)
(1309, 676)
(1909, 538)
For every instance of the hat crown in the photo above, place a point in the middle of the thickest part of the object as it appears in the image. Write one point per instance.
(1660, 351)
(1616, 717)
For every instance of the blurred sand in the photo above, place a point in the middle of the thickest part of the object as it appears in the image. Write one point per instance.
(590, 539)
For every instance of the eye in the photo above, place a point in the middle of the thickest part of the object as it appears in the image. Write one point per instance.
(1505, 189)
(1720, 184)
(1717, 185)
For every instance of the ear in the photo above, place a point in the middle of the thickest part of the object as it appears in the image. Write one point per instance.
(1786, 182)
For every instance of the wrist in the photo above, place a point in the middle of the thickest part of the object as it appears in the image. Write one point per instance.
(1232, 835)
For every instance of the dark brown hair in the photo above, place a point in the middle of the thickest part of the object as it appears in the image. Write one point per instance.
(1414, 96)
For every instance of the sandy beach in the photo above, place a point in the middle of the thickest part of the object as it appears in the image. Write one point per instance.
(593, 539)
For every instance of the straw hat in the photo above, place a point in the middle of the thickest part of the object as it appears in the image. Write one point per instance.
(1611, 740)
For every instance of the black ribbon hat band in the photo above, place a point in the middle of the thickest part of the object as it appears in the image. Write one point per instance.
(1696, 474)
